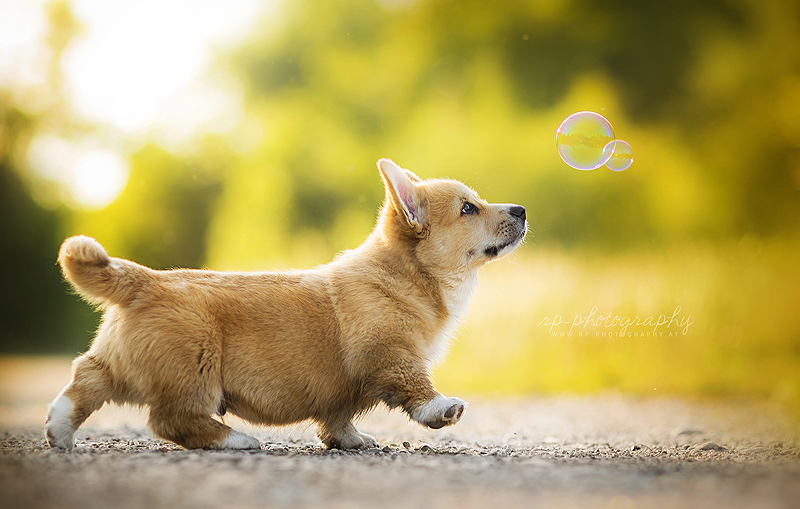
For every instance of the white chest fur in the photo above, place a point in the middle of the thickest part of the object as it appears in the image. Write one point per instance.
(456, 296)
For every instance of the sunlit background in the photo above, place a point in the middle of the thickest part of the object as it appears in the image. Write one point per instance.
(244, 134)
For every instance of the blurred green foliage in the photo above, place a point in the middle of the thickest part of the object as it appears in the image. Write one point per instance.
(174, 193)
(474, 90)
(707, 93)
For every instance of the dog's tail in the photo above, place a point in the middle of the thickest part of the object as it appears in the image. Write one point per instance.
(97, 277)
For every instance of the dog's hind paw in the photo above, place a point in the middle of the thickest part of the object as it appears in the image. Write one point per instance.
(439, 412)
(239, 440)
(58, 429)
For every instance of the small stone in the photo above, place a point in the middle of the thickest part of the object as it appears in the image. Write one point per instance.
(708, 446)
(407, 445)
(636, 447)
(387, 449)
(754, 450)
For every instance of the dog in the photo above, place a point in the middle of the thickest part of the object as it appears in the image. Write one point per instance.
(326, 344)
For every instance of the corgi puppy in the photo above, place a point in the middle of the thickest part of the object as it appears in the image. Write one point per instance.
(326, 344)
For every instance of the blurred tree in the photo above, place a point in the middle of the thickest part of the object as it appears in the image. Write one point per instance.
(37, 314)
(160, 219)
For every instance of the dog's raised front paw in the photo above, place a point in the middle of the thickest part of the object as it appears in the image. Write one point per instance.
(439, 412)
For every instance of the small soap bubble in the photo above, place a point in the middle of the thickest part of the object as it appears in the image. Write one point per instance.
(622, 156)
(585, 140)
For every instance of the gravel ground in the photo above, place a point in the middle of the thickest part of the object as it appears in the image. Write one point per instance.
(607, 451)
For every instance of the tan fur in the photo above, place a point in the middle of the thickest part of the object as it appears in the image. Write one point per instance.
(273, 348)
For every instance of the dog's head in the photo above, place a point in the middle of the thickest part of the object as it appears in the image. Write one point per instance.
(448, 225)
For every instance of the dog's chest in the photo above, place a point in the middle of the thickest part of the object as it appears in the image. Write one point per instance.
(456, 297)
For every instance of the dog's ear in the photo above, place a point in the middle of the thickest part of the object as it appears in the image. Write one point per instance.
(401, 188)
(410, 174)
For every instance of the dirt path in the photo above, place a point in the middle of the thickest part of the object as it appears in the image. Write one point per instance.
(608, 451)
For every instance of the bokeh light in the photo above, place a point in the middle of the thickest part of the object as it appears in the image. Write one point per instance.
(84, 174)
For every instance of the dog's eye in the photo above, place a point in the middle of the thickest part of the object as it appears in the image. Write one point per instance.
(468, 208)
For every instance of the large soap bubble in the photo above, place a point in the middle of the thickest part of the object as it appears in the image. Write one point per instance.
(585, 140)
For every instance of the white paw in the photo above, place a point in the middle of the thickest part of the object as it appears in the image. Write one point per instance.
(439, 412)
(351, 438)
(367, 440)
(58, 428)
(239, 440)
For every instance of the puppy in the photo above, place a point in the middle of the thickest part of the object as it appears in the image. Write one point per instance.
(325, 344)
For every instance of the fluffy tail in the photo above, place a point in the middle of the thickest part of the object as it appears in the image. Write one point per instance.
(96, 276)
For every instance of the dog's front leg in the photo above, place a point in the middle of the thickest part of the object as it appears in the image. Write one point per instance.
(408, 386)
(344, 435)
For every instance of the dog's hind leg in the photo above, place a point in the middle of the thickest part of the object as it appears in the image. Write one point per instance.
(90, 388)
(196, 431)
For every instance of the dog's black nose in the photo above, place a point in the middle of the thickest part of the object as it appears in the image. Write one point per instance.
(517, 211)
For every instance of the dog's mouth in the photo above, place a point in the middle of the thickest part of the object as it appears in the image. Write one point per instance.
(494, 251)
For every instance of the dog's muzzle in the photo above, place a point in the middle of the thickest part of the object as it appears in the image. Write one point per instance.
(512, 230)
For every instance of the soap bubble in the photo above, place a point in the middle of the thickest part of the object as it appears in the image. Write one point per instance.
(622, 156)
(585, 140)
